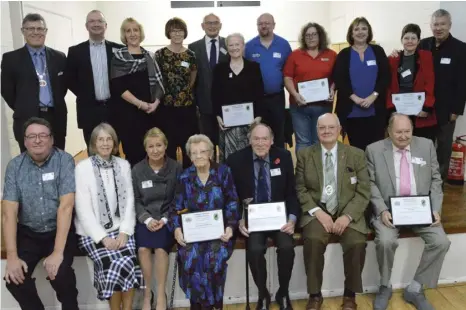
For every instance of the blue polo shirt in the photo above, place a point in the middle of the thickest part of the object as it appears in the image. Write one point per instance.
(271, 61)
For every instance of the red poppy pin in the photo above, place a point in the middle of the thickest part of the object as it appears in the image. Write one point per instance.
(277, 161)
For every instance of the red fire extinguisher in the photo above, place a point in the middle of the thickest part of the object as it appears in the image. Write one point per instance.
(457, 161)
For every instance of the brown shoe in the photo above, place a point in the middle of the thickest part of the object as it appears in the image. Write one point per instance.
(349, 303)
(314, 303)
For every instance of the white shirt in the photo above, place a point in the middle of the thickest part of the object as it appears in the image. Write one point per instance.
(397, 160)
(208, 45)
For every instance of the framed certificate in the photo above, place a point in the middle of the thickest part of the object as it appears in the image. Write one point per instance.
(409, 103)
(238, 114)
(266, 216)
(202, 226)
(313, 91)
(411, 210)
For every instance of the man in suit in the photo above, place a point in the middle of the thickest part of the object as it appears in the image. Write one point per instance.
(404, 165)
(209, 50)
(265, 174)
(333, 188)
(33, 82)
(88, 74)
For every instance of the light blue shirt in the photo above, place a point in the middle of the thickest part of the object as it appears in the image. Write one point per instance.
(98, 53)
(39, 60)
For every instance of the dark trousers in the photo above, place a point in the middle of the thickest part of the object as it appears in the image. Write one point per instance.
(32, 247)
(208, 126)
(100, 114)
(257, 246)
(426, 132)
(354, 254)
(272, 111)
(363, 131)
(444, 143)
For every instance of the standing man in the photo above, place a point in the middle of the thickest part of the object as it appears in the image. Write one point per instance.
(265, 174)
(209, 50)
(449, 56)
(403, 165)
(37, 209)
(33, 82)
(271, 52)
(88, 74)
(333, 188)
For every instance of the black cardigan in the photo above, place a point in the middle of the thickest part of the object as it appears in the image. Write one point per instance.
(341, 76)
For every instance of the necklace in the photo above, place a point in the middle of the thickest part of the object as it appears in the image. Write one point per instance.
(42, 81)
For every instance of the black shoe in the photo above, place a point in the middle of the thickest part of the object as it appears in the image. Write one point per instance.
(283, 301)
(263, 303)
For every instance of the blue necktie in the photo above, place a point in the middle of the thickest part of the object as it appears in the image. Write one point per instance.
(213, 54)
(44, 93)
(262, 190)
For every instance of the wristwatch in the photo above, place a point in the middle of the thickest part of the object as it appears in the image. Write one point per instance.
(375, 94)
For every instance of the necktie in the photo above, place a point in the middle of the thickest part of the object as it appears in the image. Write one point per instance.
(213, 53)
(44, 94)
(405, 178)
(330, 188)
(262, 191)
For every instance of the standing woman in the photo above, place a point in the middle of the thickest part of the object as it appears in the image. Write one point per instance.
(236, 81)
(177, 116)
(105, 219)
(154, 181)
(361, 76)
(312, 61)
(412, 70)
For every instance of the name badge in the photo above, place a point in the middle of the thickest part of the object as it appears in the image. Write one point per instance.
(230, 75)
(277, 55)
(256, 55)
(185, 64)
(354, 180)
(324, 59)
(275, 172)
(48, 176)
(371, 63)
(418, 161)
(224, 51)
(406, 73)
(147, 184)
(445, 61)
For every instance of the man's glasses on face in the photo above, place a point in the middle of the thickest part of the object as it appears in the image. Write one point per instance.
(35, 29)
(329, 128)
(215, 23)
(41, 136)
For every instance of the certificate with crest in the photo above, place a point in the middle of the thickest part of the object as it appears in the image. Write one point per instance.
(411, 210)
(202, 226)
(266, 216)
(238, 114)
(409, 103)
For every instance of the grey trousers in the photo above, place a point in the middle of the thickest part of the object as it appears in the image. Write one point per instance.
(428, 271)
(444, 142)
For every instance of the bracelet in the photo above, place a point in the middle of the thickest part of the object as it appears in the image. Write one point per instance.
(140, 105)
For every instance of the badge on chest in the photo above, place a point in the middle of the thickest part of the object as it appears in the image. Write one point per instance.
(48, 176)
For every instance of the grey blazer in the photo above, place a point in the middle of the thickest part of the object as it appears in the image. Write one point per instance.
(204, 73)
(381, 168)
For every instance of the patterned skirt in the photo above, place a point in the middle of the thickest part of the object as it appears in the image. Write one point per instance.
(116, 270)
(232, 140)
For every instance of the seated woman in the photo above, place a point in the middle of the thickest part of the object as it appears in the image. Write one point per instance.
(154, 181)
(202, 187)
(105, 219)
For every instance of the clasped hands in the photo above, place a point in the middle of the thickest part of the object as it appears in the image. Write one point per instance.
(331, 227)
(149, 107)
(363, 102)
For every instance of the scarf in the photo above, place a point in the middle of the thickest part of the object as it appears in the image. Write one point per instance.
(106, 218)
(124, 64)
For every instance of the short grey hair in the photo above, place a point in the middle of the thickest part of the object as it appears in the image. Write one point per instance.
(194, 139)
(33, 17)
(255, 125)
(441, 13)
(325, 114)
(394, 115)
(95, 11)
(95, 133)
(234, 35)
(211, 14)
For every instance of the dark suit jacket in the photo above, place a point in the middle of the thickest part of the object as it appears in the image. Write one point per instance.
(341, 76)
(204, 73)
(283, 185)
(80, 79)
(20, 87)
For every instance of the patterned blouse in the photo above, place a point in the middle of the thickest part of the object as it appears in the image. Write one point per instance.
(176, 70)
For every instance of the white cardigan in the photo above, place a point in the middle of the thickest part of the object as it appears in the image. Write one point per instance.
(87, 220)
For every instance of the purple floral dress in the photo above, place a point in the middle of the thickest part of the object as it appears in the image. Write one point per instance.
(203, 265)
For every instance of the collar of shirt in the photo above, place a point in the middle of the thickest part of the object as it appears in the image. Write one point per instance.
(266, 159)
(207, 39)
(257, 41)
(333, 151)
(52, 152)
(96, 43)
(395, 149)
(443, 43)
(33, 50)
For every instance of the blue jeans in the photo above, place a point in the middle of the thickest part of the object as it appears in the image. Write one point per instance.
(305, 122)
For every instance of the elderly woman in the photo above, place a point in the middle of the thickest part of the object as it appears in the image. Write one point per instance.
(313, 60)
(105, 219)
(202, 187)
(412, 70)
(179, 71)
(361, 76)
(233, 82)
(154, 181)
(137, 87)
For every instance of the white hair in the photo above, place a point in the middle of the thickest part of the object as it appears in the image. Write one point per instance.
(441, 13)
(234, 35)
(334, 115)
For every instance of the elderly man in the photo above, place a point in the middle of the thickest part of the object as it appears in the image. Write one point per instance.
(265, 174)
(404, 165)
(37, 208)
(333, 188)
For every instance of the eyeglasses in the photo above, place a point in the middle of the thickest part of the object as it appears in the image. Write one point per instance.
(96, 21)
(330, 128)
(41, 136)
(311, 35)
(177, 31)
(103, 140)
(202, 153)
(35, 29)
(215, 23)
(264, 24)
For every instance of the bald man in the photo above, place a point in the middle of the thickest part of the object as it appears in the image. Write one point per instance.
(333, 188)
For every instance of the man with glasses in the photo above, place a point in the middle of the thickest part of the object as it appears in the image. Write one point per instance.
(271, 52)
(209, 50)
(37, 210)
(33, 81)
(333, 188)
(88, 75)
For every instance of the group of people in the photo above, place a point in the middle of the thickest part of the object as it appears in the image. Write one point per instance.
(118, 211)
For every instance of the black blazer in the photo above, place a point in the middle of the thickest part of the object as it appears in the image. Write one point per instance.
(203, 86)
(341, 76)
(80, 79)
(283, 185)
(20, 87)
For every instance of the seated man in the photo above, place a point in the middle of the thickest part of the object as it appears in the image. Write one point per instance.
(394, 172)
(265, 174)
(37, 209)
(333, 188)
